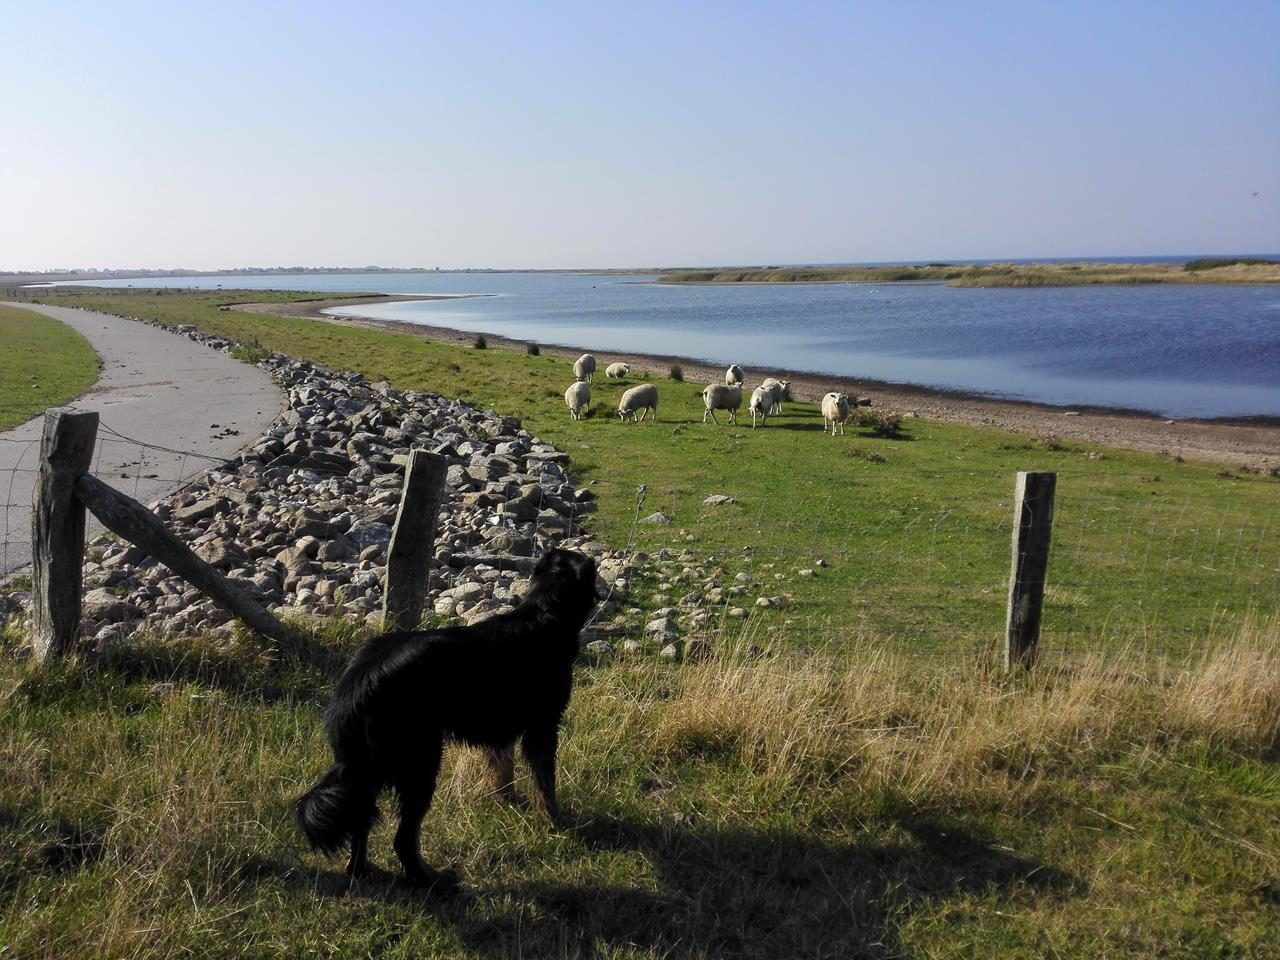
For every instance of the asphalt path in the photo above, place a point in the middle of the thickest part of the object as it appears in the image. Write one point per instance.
(168, 409)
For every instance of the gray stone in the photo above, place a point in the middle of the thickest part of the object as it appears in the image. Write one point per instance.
(103, 605)
(366, 533)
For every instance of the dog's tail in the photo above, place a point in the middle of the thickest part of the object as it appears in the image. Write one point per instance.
(342, 804)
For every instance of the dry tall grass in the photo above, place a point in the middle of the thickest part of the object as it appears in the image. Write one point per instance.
(948, 736)
(142, 818)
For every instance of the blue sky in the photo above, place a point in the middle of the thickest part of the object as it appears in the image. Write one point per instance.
(609, 134)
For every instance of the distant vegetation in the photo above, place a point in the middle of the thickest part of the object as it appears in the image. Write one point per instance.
(1001, 274)
(1213, 263)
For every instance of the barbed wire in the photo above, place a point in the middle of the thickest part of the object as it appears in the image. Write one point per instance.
(107, 428)
(1118, 562)
(107, 463)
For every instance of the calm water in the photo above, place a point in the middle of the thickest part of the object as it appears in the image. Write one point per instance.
(1202, 351)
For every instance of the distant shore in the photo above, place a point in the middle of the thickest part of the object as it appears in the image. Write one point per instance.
(1247, 270)
(1253, 443)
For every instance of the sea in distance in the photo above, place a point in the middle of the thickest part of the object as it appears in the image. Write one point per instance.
(1204, 350)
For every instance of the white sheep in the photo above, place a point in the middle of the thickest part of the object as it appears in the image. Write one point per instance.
(835, 410)
(718, 396)
(578, 398)
(781, 390)
(761, 404)
(734, 377)
(644, 397)
(584, 368)
(616, 371)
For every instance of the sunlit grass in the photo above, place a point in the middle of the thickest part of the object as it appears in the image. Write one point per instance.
(913, 529)
(760, 804)
(43, 363)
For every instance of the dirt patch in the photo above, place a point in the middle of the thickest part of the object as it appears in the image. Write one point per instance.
(1255, 446)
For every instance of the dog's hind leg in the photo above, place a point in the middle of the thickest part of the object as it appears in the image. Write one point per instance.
(415, 787)
(539, 747)
(365, 817)
(502, 771)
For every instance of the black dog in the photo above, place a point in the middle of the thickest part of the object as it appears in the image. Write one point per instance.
(403, 694)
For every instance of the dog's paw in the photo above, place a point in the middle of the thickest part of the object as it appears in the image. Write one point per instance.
(437, 883)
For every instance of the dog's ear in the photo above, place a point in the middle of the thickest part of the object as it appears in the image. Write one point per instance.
(565, 565)
(553, 563)
(559, 569)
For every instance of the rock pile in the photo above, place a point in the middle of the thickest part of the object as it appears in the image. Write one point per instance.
(302, 519)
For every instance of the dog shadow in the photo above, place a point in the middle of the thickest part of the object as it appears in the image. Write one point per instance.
(728, 892)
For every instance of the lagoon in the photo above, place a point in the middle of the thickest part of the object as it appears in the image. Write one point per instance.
(1180, 351)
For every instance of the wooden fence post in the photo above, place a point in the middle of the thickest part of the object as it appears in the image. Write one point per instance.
(1032, 526)
(413, 540)
(131, 520)
(57, 532)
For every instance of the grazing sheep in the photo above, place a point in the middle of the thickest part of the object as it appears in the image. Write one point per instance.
(643, 397)
(734, 377)
(584, 368)
(762, 404)
(781, 390)
(835, 410)
(578, 398)
(616, 371)
(717, 396)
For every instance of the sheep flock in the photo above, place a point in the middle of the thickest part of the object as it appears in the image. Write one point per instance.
(763, 401)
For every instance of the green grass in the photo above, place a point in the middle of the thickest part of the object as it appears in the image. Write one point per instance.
(43, 363)
(840, 779)
(915, 532)
(1000, 274)
(832, 806)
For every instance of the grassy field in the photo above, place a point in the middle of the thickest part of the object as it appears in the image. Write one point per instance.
(914, 531)
(843, 778)
(842, 804)
(43, 363)
(1000, 274)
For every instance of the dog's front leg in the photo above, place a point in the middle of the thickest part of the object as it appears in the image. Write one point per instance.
(539, 747)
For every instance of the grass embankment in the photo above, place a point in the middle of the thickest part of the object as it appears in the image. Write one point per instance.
(810, 791)
(43, 363)
(915, 530)
(836, 805)
(1001, 274)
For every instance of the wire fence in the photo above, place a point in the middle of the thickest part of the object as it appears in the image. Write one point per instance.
(140, 469)
(898, 561)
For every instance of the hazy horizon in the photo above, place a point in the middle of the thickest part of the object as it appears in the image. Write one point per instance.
(575, 136)
(249, 270)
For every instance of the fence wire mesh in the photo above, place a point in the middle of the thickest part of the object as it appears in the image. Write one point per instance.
(1129, 561)
(140, 469)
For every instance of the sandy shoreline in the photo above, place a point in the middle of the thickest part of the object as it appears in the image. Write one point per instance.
(1254, 446)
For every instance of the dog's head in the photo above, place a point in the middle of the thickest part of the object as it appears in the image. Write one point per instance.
(565, 583)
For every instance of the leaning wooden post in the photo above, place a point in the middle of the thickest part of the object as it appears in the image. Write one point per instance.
(413, 540)
(57, 532)
(1032, 526)
(131, 520)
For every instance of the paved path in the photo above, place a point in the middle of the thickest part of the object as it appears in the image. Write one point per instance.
(155, 387)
